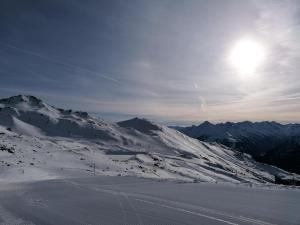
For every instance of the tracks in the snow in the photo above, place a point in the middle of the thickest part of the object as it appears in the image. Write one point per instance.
(129, 199)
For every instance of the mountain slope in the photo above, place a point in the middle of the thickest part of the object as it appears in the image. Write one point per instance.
(39, 141)
(265, 141)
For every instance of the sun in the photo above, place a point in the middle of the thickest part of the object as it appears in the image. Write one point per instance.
(247, 56)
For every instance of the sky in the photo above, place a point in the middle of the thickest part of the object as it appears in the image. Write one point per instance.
(166, 60)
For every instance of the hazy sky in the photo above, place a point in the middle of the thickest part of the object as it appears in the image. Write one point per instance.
(165, 60)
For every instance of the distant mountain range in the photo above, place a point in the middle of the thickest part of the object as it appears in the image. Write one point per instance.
(268, 142)
(39, 141)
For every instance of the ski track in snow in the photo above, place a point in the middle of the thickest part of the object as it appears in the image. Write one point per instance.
(131, 200)
(214, 212)
(174, 205)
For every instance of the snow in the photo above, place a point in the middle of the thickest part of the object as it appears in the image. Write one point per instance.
(131, 200)
(25, 128)
(214, 132)
(50, 143)
(142, 125)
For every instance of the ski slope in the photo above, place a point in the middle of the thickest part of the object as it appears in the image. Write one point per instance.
(131, 200)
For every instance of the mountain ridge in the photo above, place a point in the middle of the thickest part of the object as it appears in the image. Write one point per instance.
(260, 139)
(48, 141)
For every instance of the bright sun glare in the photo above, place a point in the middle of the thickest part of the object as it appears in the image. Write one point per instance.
(246, 56)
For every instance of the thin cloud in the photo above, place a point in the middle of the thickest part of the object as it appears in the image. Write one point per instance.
(59, 62)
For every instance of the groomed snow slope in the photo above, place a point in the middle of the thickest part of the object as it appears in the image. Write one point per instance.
(38, 141)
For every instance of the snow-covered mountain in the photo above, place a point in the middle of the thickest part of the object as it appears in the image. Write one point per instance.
(268, 142)
(39, 141)
(240, 129)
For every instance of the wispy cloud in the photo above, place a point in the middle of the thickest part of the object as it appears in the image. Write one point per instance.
(60, 62)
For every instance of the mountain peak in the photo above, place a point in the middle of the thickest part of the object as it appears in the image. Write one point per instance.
(22, 99)
(206, 123)
(140, 124)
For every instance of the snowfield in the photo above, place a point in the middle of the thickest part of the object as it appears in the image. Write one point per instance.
(40, 142)
(140, 201)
